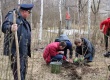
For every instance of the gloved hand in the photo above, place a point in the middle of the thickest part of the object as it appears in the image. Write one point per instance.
(61, 52)
(76, 60)
(81, 59)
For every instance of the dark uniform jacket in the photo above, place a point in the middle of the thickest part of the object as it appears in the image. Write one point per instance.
(24, 36)
(65, 38)
(86, 49)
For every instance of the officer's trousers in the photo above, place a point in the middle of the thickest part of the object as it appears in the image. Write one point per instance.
(23, 67)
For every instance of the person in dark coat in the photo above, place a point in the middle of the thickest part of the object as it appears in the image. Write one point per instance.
(64, 37)
(105, 29)
(85, 48)
(23, 29)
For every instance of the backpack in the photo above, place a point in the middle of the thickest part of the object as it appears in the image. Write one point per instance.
(9, 13)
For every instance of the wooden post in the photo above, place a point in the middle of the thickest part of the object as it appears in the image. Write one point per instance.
(17, 47)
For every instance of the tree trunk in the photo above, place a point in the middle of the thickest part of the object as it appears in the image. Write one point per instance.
(95, 19)
(31, 17)
(41, 19)
(19, 1)
(89, 20)
(0, 18)
(60, 10)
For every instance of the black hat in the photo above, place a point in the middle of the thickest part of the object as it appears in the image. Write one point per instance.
(26, 6)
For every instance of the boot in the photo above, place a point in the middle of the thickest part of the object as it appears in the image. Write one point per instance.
(107, 54)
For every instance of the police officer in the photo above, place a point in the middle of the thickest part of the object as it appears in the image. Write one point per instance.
(64, 37)
(23, 29)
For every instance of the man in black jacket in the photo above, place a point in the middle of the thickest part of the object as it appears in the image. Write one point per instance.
(84, 47)
(23, 29)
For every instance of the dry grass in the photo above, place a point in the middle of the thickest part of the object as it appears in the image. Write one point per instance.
(38, 70)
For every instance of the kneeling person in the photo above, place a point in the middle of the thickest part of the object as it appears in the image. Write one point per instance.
(52, 52)
(84, 47)
(64, 37)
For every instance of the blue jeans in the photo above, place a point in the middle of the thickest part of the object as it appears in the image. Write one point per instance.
(58, 57)
(89, 58)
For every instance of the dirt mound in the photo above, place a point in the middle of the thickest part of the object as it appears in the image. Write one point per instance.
(71, 71)
(75, 75)
(76, 72)
(86, 70)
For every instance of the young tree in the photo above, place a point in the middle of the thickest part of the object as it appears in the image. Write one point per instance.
(95, 9)
(41, 20)
(60, 10)
(0, 17)
(89, 14)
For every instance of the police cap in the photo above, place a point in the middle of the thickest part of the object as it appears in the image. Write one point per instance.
(26, 6)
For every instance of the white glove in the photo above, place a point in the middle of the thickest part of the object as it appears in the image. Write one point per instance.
(61, 52)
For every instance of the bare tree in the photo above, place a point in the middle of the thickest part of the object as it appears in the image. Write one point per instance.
(89, 20)
(60, 10)
(0, 17)
(7, 5)
(95, 9)
(41, 18)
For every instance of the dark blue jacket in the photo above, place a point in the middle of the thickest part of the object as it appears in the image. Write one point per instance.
(24, 36)
(69, 46)
(65, 38)
(86, 49)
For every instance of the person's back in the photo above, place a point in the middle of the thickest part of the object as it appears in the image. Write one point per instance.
(52, 51)
(88, 45)
(105, 25)
(64, 37)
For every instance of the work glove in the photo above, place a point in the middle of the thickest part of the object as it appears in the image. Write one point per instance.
(76, 60)
(81, 59)
(69, 60)
(61, 52)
